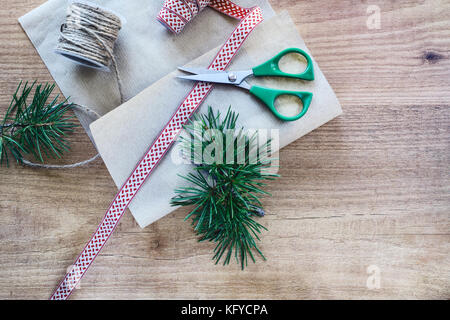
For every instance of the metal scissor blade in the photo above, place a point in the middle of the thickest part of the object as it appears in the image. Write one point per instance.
(234, 78)
(214, 78)
(198, 70)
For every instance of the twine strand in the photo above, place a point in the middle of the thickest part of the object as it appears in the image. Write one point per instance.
(55, 166)
(67, 166)
(88, 36)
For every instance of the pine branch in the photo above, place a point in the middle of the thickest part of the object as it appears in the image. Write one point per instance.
(37, 127)
(225, 194)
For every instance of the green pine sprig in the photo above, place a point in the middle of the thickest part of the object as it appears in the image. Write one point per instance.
(225, 194)
(35, 126)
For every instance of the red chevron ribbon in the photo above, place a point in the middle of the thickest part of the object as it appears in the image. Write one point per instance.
(173, 12)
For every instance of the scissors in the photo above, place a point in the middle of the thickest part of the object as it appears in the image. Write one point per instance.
(268, 68)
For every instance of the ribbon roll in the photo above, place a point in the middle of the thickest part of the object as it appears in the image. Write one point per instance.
(175, 14)
(249, 18)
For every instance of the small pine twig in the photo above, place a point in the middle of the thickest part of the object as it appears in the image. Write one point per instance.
(225, 194)
(37, 127)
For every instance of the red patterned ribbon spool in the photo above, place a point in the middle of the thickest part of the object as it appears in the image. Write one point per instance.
(250, 18)
(175, 14)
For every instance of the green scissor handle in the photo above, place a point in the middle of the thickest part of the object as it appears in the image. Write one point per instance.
(272, 68)
(268, 96)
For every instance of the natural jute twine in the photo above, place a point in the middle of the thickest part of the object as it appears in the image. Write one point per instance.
(86, 111)
(88, 37)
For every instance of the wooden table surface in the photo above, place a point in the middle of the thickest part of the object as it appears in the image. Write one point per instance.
(366, 195)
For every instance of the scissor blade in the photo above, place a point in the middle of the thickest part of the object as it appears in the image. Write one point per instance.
(232, 77)
(198, 70)
(214, 78)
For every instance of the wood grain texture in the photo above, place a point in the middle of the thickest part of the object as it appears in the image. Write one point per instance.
(369, 188)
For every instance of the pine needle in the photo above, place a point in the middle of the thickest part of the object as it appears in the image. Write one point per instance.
(36, 128)
(224, 195)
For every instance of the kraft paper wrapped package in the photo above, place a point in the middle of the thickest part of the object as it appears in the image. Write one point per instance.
(123, 135)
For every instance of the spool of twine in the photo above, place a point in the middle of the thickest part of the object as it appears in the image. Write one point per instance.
(88, 37)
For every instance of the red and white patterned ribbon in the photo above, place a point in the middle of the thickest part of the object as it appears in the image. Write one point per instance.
(175, 14)
(250, 18)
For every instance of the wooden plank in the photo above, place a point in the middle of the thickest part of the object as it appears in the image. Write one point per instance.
(371, 188)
